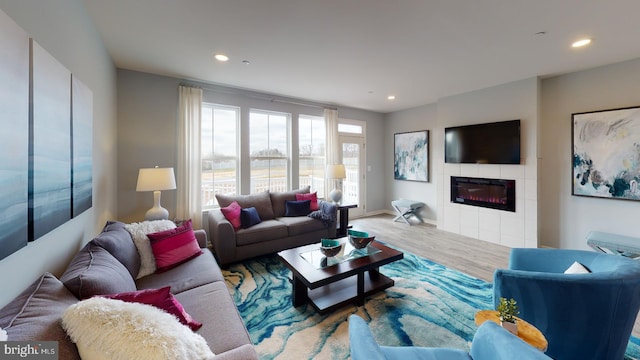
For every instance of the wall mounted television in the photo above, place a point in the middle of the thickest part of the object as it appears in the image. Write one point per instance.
(490, 143)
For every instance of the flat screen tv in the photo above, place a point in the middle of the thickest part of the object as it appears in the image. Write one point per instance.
(491, 143)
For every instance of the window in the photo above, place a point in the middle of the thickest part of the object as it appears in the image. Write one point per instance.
(219, 152)
(269, 150)
(312, 142)
(350, 127)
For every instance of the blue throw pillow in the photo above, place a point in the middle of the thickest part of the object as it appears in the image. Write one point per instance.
(249, 217)
(297, 208)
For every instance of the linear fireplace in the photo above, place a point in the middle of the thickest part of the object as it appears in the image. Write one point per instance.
(490, 193)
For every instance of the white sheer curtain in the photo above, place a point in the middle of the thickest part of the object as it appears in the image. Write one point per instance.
(188, 176)
(332, 150)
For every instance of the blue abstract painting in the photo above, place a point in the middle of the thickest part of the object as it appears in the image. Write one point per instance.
(606, 154)
(14, 137)
(411, 156)
(50, 172)
(82, 142)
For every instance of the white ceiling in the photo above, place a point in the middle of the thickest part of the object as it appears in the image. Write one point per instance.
(356, 52)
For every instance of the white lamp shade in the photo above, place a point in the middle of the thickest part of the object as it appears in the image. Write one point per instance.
(152, 179)
(336, 171)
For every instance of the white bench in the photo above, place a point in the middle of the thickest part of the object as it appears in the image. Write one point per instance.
(627, 246)
(406, 209)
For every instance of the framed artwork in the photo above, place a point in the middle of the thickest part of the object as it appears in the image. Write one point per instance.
(411, 156)
(606, 154)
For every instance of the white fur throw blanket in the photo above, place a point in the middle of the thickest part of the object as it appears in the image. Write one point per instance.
(117, 330)
(139, 233)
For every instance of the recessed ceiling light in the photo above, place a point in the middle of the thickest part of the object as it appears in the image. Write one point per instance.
(221, 57)
(391, 97)
(581, 43)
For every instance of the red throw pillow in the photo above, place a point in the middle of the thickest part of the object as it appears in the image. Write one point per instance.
(174, 246)
(160, 298)
(312, 196)
(232, 213)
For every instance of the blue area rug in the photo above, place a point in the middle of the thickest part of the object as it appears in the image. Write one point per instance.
(429, 305)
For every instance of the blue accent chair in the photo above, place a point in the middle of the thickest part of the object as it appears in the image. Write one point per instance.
(583, 316)
(491, 342)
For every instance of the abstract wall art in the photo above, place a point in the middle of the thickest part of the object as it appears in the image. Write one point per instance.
(411, 156)
(606, 154)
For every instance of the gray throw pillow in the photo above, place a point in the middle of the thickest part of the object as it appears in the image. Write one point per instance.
(118, 242)
(94, 271)
(322, 216)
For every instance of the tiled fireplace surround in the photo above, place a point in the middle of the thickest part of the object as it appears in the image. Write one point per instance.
(513, 229)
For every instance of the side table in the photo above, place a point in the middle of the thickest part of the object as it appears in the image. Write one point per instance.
(343, 218)
(527, 332)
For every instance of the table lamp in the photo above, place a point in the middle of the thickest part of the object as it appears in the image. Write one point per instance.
(336, 172)
(156, 179)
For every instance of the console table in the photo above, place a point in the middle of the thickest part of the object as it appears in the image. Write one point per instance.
(627, 246)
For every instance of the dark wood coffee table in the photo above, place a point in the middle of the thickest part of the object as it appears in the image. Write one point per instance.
(333, 286)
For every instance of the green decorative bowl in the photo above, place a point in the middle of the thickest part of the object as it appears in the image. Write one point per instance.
(330, 247)
(360, 239)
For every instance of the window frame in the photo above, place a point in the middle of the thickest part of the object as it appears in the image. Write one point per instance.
(321, 188)
(287, 158)
(235, 159)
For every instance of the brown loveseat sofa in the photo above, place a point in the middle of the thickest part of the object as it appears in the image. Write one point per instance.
(109, 264)
(274, 233)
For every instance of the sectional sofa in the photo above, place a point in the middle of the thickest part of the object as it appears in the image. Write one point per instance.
(110, 264)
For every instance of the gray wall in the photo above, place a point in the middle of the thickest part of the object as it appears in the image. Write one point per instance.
(147, 127)
(147, 136)
(420, 118)
(65, 30)
(565, 220)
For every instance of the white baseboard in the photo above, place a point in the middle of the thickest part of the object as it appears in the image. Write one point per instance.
(374, 213)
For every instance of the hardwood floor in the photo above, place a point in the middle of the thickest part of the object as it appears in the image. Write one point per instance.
(471, 256)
